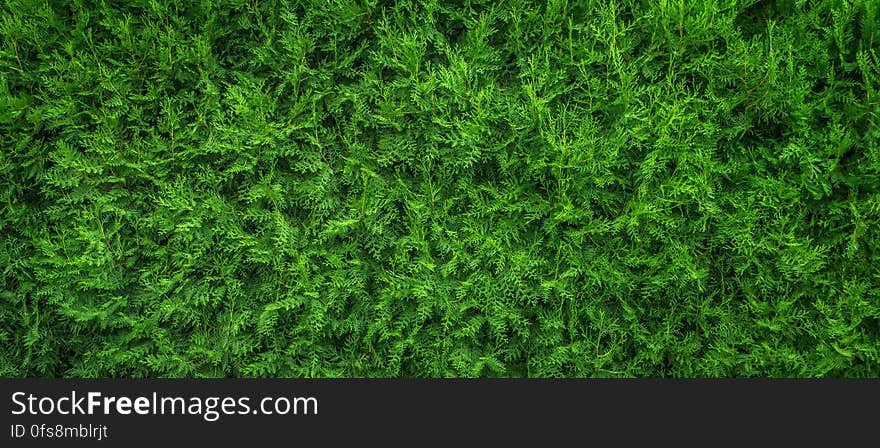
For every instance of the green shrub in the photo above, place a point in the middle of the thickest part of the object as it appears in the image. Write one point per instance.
(440, 188)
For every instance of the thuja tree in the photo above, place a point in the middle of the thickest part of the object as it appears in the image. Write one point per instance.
(440, 188)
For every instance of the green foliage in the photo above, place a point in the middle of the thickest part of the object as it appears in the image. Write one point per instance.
(440, 188)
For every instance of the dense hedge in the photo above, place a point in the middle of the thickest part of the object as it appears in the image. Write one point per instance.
(431, 188)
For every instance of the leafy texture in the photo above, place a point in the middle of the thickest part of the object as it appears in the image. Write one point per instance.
(440, 188)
